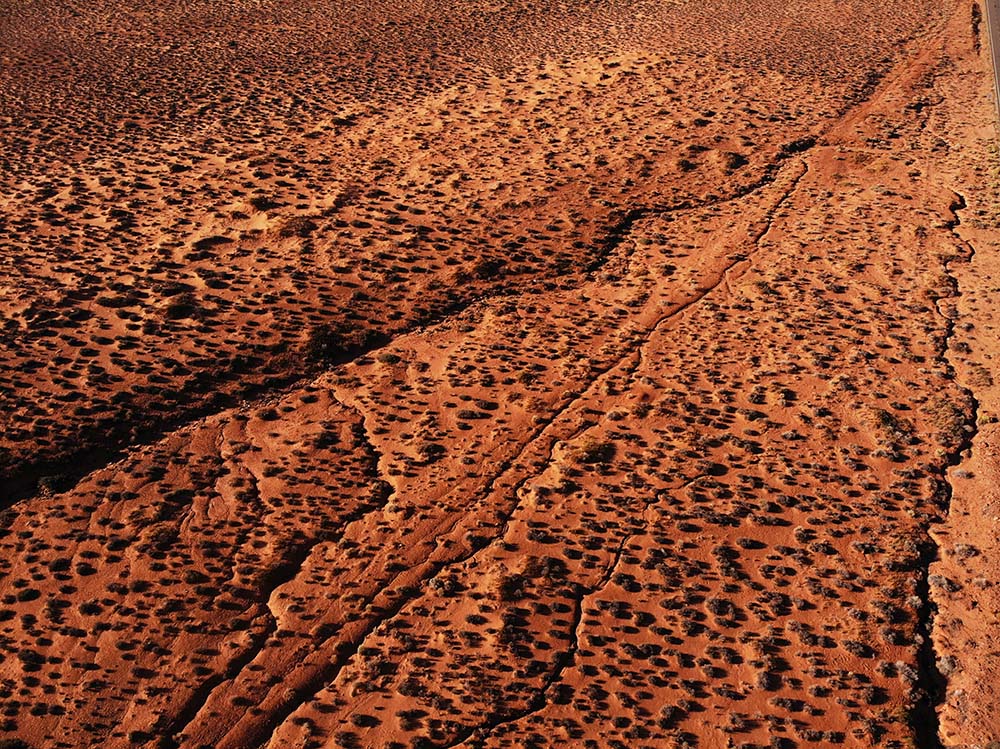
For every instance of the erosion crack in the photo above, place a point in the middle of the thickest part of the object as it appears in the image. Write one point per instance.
(931, 682)
(562, 661)
(74, 465)
(330, 672)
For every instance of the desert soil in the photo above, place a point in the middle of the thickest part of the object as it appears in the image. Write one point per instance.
(485, 374)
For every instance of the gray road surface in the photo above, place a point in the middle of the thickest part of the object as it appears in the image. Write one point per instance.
(992, 21)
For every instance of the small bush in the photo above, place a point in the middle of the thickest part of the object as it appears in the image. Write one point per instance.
(596, 451)
(14, 744)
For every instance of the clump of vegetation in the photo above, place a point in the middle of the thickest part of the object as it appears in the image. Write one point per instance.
(262, 203)
(893, 426)
(594, 451)
(733, 161)
(182, 306)
(431, 451)
(949, 419)
(980, 376)
(487, 268)
(799, 145)
(297, 226)
(9, 743)
(551, 568)
(330, 344)
(54, 484)
(511, 587)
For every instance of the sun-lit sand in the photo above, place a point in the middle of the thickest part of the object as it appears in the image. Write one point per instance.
(498, 375)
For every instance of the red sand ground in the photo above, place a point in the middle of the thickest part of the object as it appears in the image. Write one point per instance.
(613, 375)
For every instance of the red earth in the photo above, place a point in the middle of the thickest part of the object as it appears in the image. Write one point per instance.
(484, 374)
